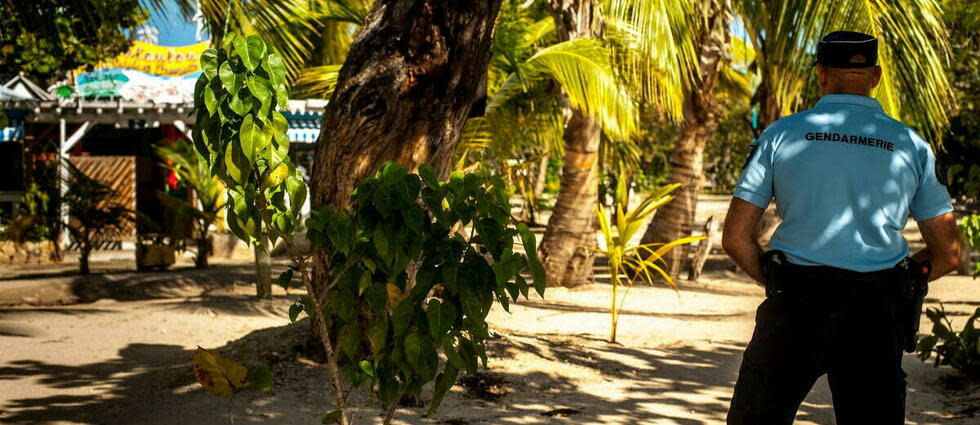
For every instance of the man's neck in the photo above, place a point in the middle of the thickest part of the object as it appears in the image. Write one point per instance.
(866, 93)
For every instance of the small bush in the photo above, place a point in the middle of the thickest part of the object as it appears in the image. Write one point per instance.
(961, 350)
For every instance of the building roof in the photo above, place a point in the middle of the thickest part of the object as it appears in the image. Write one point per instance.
(22, 86)
(8, 94)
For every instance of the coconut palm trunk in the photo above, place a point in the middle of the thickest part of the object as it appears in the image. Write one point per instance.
(675, 220)
(567, 247)
(404, 93)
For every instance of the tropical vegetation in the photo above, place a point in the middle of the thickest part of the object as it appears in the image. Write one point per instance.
(210, 195)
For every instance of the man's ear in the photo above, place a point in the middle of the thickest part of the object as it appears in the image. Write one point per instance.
(822, 76)
(875, 76)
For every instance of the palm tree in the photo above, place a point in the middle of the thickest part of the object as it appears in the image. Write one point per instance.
(701, 115)
(650, 53)
(210, 193)
(783, 34)
(603, 70)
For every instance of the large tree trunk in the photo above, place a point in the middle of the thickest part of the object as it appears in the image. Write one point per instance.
(567, 247)
(403, 94)
(676, 219)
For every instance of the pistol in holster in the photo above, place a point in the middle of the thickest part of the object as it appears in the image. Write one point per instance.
(914, 277)
(772, 262)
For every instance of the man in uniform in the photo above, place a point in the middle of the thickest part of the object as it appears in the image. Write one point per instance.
(845, 178)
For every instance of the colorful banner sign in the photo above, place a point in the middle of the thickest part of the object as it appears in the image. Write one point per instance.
(160, 60)
(146, 73)
(136, 86)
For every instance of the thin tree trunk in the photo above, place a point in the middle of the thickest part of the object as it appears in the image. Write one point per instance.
(204, 246)
(203, 251)
(263, 268)
(676, 219)
(567, 247)
(541, 177)
(83, 257)
(403, 94)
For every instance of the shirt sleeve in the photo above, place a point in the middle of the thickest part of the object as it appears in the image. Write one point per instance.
(755, 183)
(931, 198)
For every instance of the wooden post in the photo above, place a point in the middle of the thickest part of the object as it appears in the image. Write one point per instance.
(704, 249)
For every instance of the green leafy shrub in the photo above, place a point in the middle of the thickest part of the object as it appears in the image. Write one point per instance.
(961, 350)
(242, 139)
(211, 193)
(970, 227)
(417, 265)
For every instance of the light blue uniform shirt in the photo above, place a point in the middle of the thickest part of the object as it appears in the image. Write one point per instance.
(845, 177)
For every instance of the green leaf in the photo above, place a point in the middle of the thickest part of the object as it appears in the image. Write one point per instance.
(378, 333)
(367, 367)
(285, 278)
(377, 297)
(231, 81)
(308, 305)
(251, 50)
(237, 165)
(332, 417)
(296, 188)
(282, 96)
(240, 105)
(210, 100)
(451, 354)
(250, 136)
(414, 218)
(209, 62)
(381, 245)
(259, 379)
(530, 247)
(441, 316)
(413, 349)
(275, 68)
(350, 337)
(402, 317)
(260, 89)
(444, 382)
(281, 127)
(294, 311)
(364, 283)
(506, 268)
(428, 174)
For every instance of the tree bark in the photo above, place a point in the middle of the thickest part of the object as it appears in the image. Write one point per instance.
(263, 269)
(567, 247)
(83, 257)
(701, 112)
(403, 94)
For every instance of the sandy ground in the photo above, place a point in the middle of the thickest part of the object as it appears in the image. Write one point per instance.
(123, 359)
(120, 354)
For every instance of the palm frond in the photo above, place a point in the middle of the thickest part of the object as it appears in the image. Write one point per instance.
(655, 51)
(583, 70)
(318, 81)
(913, 50)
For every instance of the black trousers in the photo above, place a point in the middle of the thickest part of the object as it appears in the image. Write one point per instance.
(824, 324)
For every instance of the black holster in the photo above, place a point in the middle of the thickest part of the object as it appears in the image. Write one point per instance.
(772, 263)
(914, 277)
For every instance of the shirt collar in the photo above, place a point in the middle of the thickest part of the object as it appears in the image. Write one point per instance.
(850, 99)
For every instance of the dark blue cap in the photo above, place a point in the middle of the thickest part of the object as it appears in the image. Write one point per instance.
(847, 49)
